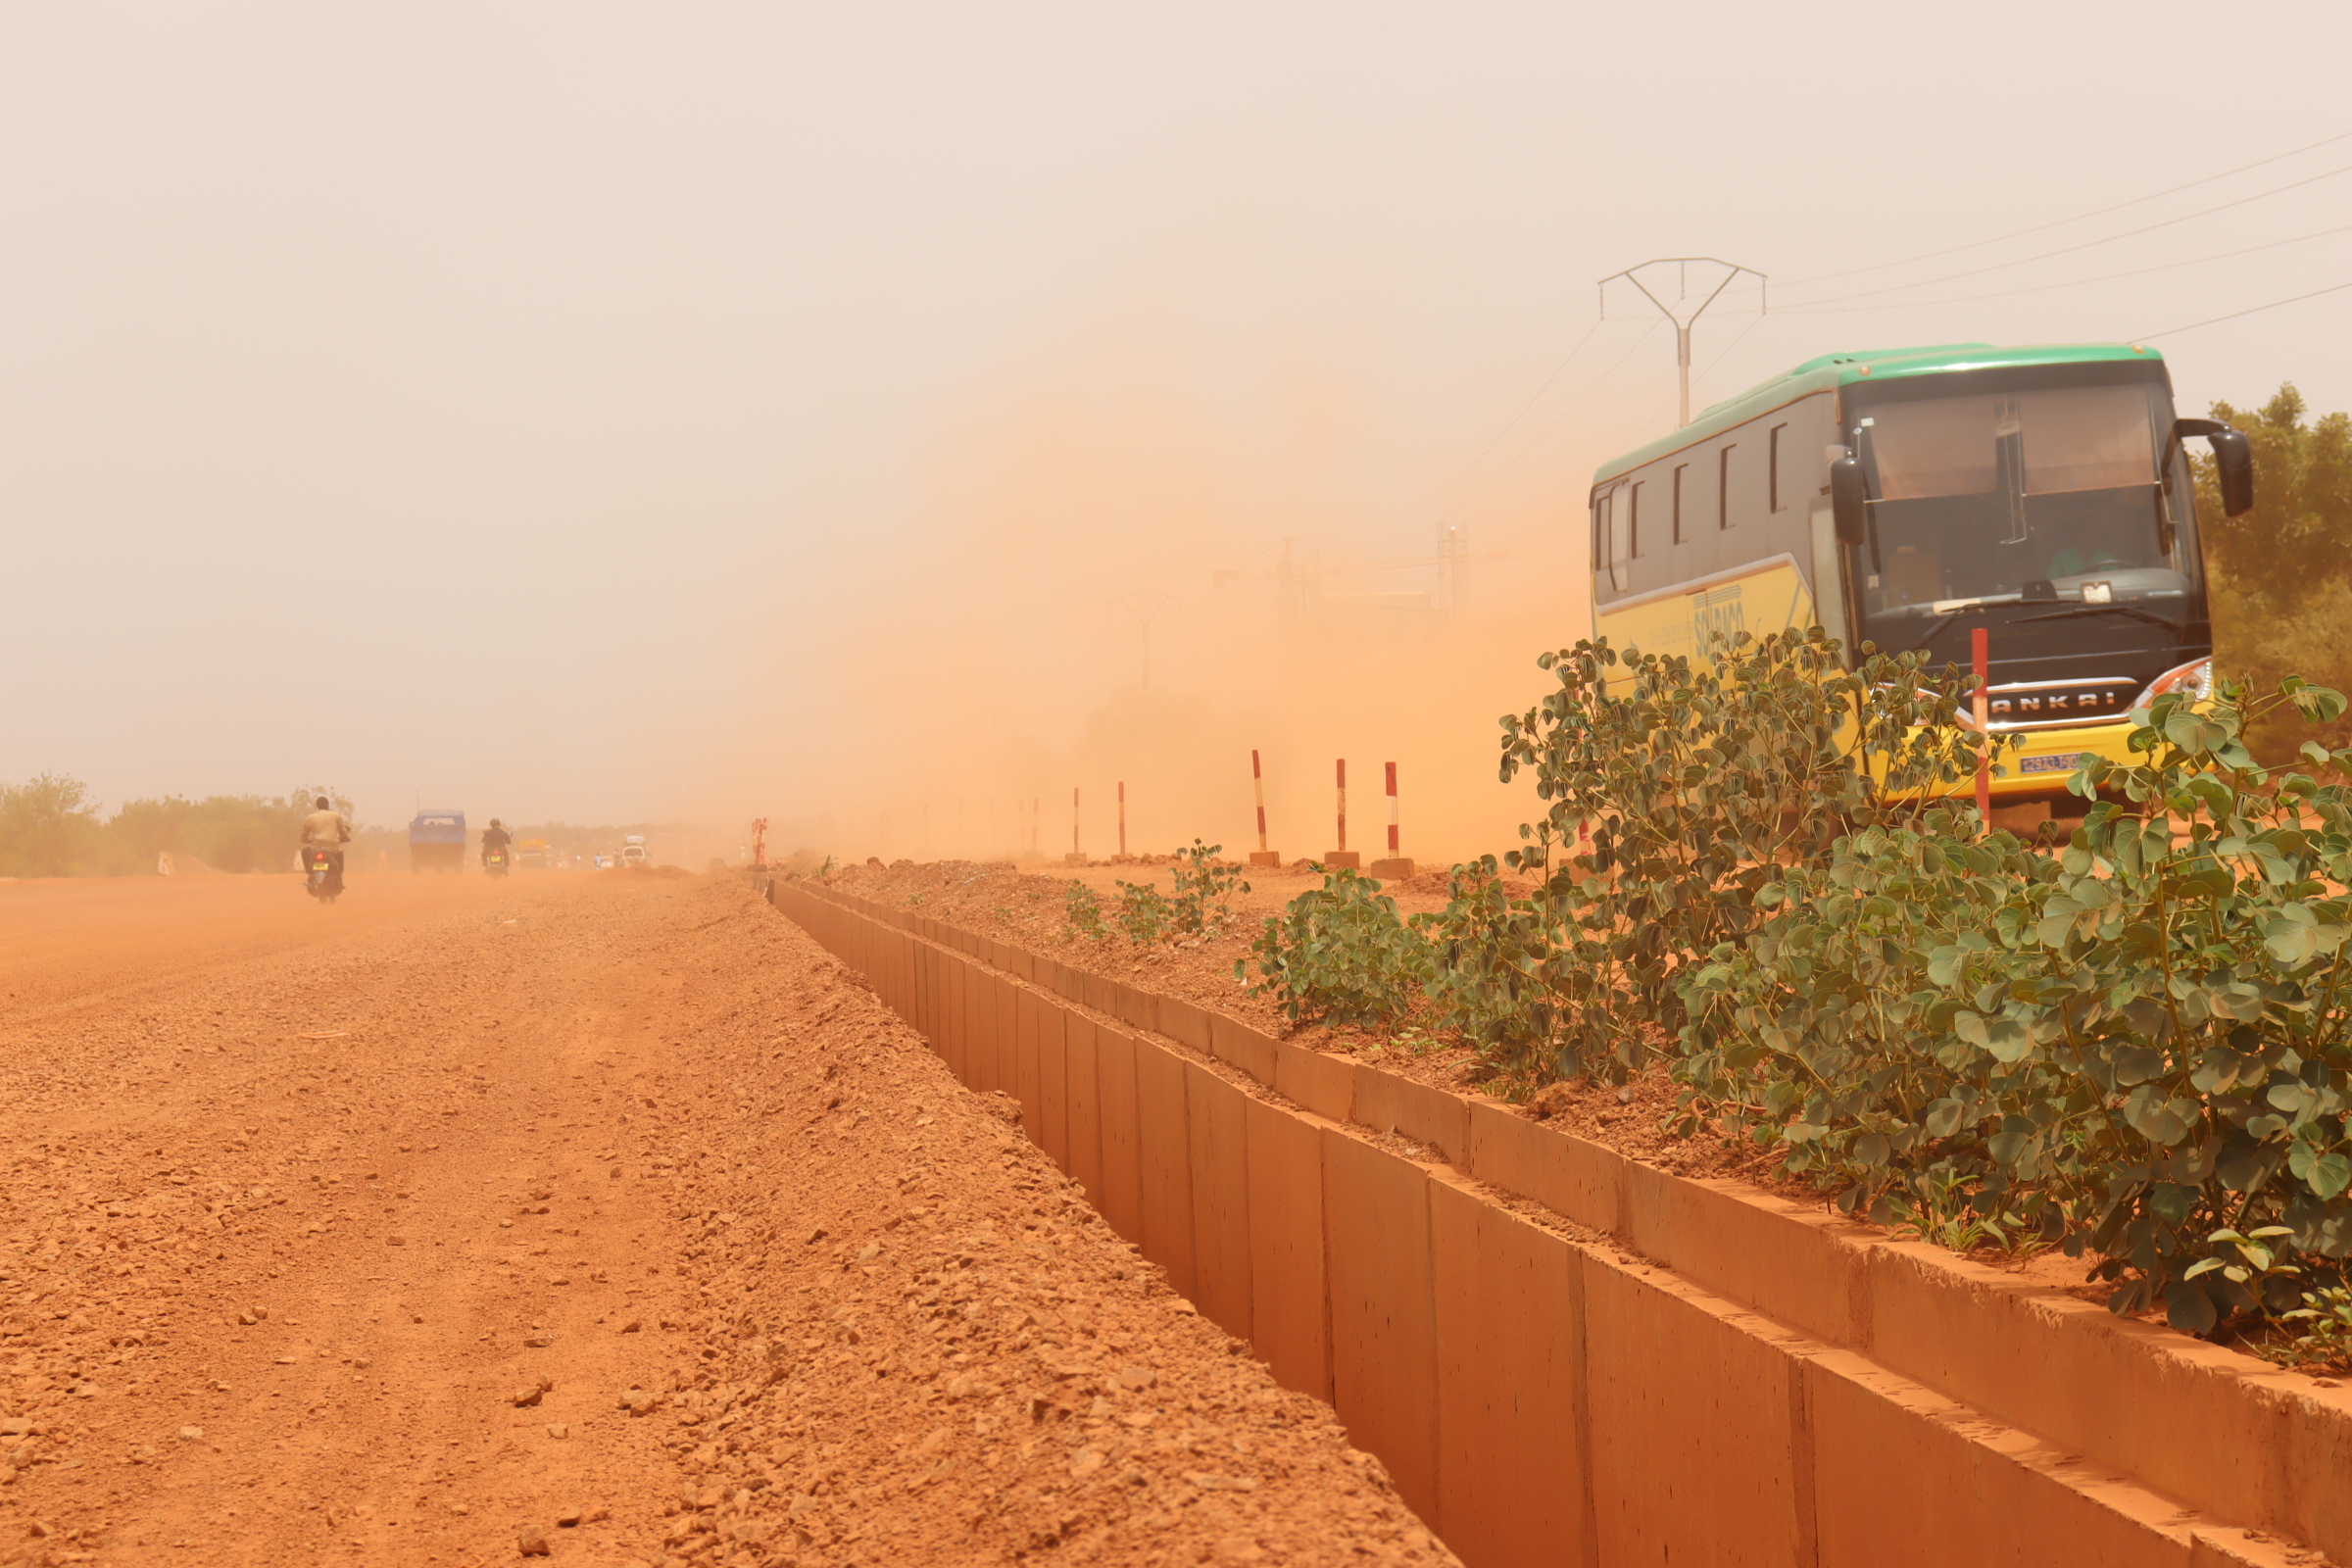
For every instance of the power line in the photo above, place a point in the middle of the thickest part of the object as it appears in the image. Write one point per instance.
(1577, 402)
(2332, 288)
(2073, 282)
(1439, 505)
(2068, 250)
(2060, 222)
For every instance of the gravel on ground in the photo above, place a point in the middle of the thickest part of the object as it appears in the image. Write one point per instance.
(596, 1217)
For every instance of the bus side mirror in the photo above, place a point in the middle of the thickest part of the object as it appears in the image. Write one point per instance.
(2232, 461)
(2234, 466)
(1849, 496)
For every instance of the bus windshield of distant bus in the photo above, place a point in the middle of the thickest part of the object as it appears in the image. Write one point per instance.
(2046, 492)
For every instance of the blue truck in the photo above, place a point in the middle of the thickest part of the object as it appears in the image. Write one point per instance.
(437, 839)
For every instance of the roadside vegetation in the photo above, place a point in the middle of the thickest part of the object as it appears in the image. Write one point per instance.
(1751, 876)
(1760, 878)
(50, 826)
(2281, 574)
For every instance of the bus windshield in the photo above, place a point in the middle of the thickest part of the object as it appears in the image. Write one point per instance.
(2046, 493)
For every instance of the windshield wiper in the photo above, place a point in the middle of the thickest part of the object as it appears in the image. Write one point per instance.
(1934, 633)
(2134, 611)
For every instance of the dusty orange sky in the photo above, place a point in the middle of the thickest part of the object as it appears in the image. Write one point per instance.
(627, 411)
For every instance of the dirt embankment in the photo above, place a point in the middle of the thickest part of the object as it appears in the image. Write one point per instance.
(611, 1217)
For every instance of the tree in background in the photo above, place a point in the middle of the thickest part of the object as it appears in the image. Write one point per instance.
(2281, 574)
(49, 827)
(143, 829)
(242, 832)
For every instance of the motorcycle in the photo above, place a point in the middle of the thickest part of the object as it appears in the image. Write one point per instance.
(326, 879)
(494, 862)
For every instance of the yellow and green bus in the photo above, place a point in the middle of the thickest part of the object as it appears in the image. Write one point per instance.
(1905, 497)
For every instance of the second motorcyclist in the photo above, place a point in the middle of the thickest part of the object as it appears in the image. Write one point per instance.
(496, 837)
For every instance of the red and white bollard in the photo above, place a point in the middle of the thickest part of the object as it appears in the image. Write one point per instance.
(1261, 855)
(1979, 648)
(1395, 865)
(1344, 858)
(1392, 810)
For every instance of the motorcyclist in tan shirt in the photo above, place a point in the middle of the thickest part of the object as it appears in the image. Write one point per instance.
(327, 828)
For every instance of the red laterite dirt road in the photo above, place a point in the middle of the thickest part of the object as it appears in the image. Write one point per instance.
(595, 1214)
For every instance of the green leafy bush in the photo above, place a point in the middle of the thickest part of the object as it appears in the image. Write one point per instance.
(1339, 953)
(1488, 971)
(1084, 912)
(1694, 782)
(2323, 1331)
(1202, 904)
(2136, 1046)
(1144, 913)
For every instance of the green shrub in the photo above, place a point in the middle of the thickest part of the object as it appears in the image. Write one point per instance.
(2136, 1046)
(1084, 912)
(2323, 1332)
(1486, 974)
(1339, 953)
(1694, 782)
(1144, 913)
(1203, 890)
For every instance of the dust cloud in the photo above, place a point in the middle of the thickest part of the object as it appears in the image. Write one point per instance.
(1129, 563)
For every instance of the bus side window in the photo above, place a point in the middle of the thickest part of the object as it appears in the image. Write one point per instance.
(1612, 543)
(1774, 465)
(1680, 470)
(1723, 485)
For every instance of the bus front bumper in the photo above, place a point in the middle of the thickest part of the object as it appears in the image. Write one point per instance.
(2045, 759)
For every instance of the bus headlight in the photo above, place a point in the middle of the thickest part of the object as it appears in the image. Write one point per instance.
(2194, 678)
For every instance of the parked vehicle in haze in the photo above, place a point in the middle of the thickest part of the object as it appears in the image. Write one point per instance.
(437, 841)
(632, 850)
(530, 854)
(1905, 497)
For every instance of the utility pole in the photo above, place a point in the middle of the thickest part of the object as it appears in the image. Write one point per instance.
(1143, 619)
(1681, 313)
(1453, 554)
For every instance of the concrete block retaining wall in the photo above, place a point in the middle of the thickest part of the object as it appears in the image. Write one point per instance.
(1720, 1376)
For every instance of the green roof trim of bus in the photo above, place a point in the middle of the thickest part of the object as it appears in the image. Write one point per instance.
(1829, 372)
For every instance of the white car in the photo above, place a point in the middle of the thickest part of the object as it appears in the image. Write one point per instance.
(632, 852)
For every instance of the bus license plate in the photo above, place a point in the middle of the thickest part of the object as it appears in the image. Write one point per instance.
(2055, 764)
